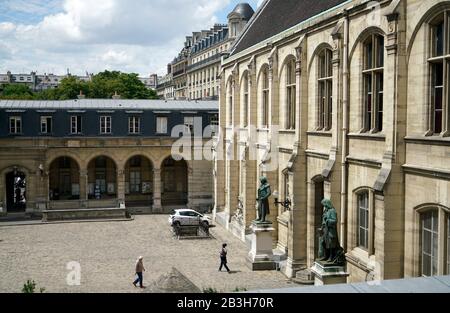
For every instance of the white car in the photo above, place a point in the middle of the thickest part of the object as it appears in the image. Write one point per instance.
(187, 217)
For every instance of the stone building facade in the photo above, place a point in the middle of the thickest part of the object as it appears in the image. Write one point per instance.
(346, 100)
(103, 154)
(208, 47)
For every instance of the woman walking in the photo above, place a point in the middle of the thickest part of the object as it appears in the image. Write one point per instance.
(223, 258)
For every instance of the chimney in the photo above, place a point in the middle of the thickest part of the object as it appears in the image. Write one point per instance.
(116, 96)
(81, 96)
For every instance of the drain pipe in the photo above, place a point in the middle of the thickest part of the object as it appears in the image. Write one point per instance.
(345, 103)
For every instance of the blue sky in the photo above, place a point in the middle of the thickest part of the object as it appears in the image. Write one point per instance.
(85, 35)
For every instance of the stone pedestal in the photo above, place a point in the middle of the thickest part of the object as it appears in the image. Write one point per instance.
(260, 257)
(328, 274)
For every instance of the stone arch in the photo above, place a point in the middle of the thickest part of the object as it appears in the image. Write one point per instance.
(174, 182)
(245, 100)
(430, 14)
(139, 180)
(259, 95)
(287, 59)
(133, 154)
(363, 36)
(7, 195)
(415, 240)
(317, 51)
(287, 118)
(103, 177)
(95, 155)
(58, 154)
(229, 100)
(64, 178)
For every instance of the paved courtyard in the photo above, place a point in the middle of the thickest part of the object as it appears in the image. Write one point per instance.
(107, 252)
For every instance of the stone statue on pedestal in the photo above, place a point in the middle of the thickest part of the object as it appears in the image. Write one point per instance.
(264, 193)
(330, 250)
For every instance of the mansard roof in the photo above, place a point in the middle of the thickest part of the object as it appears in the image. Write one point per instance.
(276, 16)
(111, 104)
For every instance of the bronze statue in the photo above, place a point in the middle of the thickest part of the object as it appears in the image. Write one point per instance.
(264, 193)
(329, 248)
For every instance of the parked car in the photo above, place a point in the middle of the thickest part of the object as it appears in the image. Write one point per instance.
(185, 217)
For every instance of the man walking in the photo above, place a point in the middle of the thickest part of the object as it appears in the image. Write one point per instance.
(223, 258)
(139, 272)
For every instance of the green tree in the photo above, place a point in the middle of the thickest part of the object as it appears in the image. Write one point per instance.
(16, 91)
(70, 88)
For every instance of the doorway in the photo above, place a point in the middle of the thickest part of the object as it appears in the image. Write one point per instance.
(16, 196)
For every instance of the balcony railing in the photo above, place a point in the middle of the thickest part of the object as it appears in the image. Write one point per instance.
(205, 62)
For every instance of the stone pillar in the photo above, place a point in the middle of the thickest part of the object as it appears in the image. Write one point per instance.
(260, 257)
(157, 206)
(191, 188)
(31, 192)
(84, 185)
(121, 186)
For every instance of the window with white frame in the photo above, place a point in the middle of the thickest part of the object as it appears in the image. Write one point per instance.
(363, 220)
(265, 98)
(75, 125)
(15, 125)
(439, 63)
(134, 125)
(245, 86)
(373, 78)
(161, 125)
(105, 125)
(290, 95)
(325, 84)
(189, 123)
(430, 238)
(46, 124)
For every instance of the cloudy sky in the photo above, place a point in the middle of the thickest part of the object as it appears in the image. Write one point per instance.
(141, 36)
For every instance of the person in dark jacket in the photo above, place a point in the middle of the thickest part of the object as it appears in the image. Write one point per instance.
(223, 258)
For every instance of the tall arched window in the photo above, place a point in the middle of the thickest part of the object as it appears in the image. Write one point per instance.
(434, 241)
(325, 83)
(265, 98)
(439, 62)
(363, 220)
(373, 77)
(429, 238)
(230, 104)
(245, 87)
(290, 95)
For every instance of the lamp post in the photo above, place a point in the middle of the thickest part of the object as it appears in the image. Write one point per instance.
(286, 204)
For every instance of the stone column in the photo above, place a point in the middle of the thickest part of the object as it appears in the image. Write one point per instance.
(157, 206)
(121, 186)
(84, 186)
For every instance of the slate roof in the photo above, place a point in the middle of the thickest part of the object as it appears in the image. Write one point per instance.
(114, 104)
(439, 284)
(276, 16)
(244, 10)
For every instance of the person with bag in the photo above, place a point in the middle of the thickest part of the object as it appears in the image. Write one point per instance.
(223, 258)
(139, 272)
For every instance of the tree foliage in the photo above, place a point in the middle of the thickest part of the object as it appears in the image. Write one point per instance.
(103, 85)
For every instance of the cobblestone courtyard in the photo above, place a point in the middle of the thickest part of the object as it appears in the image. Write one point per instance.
(107, 252)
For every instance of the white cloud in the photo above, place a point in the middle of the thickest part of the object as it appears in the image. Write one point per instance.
(140, 36)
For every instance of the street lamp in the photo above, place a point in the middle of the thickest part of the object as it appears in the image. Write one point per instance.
(286, 204)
